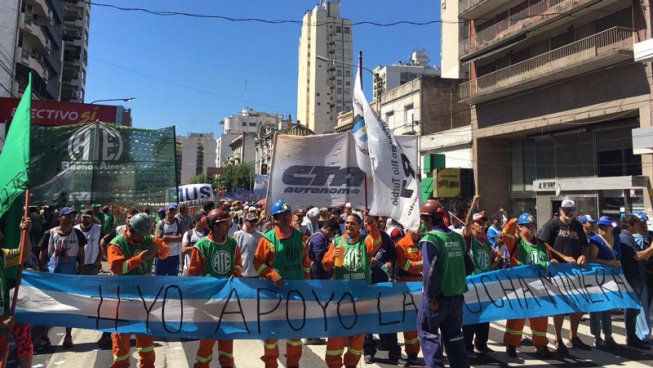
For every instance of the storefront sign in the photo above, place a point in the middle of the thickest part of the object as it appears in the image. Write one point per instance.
(63, 113)
(448, 183)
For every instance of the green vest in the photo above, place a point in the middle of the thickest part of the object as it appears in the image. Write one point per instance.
(219, 257)
(4, 288)
(131, 250)
(451, 261)
(288, 255)
(532, 254)
(482, 255)
(355, 265)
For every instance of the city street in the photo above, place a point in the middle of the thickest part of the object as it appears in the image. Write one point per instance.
(175, 353)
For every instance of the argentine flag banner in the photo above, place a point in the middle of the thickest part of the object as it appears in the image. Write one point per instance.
(204, 307)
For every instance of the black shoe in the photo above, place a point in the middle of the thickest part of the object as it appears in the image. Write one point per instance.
(561, 348)
(543, 352)
(42, 343)
(600, 344)
(577, 343)
(484, 349)
(511, 351)
(410, 360)
(638, 344)
(105, 341)
(394, 359)
(610, 343)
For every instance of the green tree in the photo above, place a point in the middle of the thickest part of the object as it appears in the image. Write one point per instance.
(236, 176)
(201, 179)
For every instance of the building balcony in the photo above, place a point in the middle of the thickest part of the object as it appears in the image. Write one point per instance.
(34, 31)
(471, 9)
(30, 60)
(609, 47)
(535, 15)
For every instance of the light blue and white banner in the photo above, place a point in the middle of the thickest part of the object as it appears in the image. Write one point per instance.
(196, 307)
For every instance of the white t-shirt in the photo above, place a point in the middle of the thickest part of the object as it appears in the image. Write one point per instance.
(172, 229)
(92, 247)
(191, 236)
(247, 243)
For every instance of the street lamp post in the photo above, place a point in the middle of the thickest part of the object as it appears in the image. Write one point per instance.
(128, 99)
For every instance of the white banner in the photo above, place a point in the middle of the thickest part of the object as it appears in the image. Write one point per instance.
(321, 170)
(261, 183)
(396, 183)
(195, 193)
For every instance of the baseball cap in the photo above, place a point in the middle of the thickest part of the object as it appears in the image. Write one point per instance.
(641, 215)
(171, 206)
(251, 216)
(568, 203)
(347, 205)
(586, 218)
(313, 212)
(477, 217)
(161, 211)
(67, 211)
(87, 213)
(199, 215)
(604, 221)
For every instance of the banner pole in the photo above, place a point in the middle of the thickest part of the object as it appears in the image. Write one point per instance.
(23, 240)
(360, 75)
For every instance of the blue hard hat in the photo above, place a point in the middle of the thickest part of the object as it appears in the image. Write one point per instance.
(526, 219)
(280, 206)
(641, 215)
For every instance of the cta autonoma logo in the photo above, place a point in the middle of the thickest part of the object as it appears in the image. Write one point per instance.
(94, 147)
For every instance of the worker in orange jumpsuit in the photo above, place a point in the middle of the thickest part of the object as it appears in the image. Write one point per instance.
(132, 253)
(524, 248)
(356, 253)
(216, 255)
(280, 255)
(409, 268)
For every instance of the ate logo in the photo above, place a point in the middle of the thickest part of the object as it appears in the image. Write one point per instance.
(483, 259)
(353, 260)
(222, 262)
(291, 254)
(95, 142)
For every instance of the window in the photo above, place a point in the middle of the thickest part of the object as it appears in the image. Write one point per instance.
(338, 29)
(390, 120)
(347, 29)
(339, 91)
(339, 82)
(252, 124)
(347, 83)
(347, 91)
(348, 73)
(409, 115)
(339, 72)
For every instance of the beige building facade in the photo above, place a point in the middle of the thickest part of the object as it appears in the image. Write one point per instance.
(325, 77)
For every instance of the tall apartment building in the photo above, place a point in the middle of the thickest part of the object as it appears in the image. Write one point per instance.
(195, 152)
(31, 41)
(387, 78)
(241, 130)
(557, 100)
(76, 22)
(324, 84)
(452, 29)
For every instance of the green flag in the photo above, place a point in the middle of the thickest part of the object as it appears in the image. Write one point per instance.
(14, 159)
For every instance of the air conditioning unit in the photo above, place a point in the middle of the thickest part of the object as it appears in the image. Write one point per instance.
(643, 51)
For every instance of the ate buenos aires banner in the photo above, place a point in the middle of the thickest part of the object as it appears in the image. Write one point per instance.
(204, 307)
(322, 170)
(103, 163)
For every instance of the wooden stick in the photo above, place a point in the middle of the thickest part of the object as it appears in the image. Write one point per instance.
(23, 240)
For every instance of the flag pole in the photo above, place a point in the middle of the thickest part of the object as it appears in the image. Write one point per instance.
(23, 240)
(360, 75)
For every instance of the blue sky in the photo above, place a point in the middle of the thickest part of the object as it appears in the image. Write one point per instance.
(192, 72)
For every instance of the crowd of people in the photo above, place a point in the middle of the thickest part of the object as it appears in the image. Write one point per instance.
(234, 239)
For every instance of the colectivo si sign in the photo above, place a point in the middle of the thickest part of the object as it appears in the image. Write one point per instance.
(63, 113)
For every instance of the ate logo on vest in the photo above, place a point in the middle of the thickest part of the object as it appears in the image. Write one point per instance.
(222, 262)
(483, 259)
(353, 260)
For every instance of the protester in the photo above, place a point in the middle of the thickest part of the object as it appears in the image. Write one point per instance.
(63, 249)
(191, 237)
(248, 239)
(107, 220)
(382, 270)
(98, 215)
(588, 225)
(605, 248)
(643, 239)
(634, 267)
(93, 234)
(185, 220)
(409, 268)
(312, 217)
(441, 306)
(354, 253)
(317, 245)
(169, 230)
(485, 259)
(216, 255)
(10, 257)
(566, 242)
(130, 254)
(277, 258)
